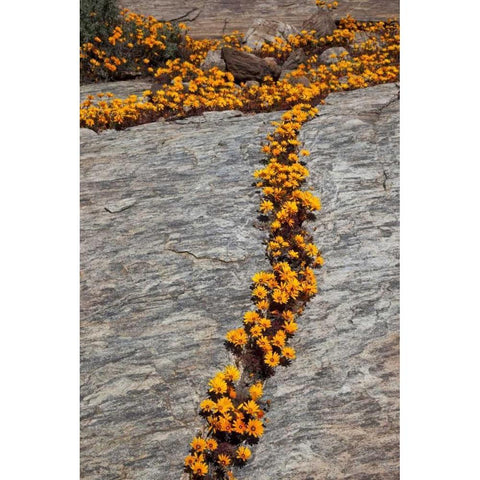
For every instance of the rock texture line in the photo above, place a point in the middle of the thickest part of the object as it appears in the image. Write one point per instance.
(164, 279)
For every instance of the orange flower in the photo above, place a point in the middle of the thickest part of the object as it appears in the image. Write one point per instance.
(272, 359)
(237, 337)
(199, 468)
(251, 408)
(254, 428)
(231, 373)
(212, 444)
(256, 391)
(198, 444)
(223, 459)
(243, 453)
(218, 385)
(288, 352)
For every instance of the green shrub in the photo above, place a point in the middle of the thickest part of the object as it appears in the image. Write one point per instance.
(120, 44)
(97, 18)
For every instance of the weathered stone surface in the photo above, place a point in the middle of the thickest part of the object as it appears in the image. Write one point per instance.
(163, 280)
(266, 30)
(121, 89)
(294, 60)
(213, 59)
(302, 80)
(333, 55)
(322, 22)
(366, 38)
(252, 83)
(246, 66)
(212, 18)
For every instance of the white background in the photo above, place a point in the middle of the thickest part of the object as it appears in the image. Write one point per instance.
(39, 196)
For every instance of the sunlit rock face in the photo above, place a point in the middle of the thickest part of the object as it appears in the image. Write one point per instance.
(169, 241)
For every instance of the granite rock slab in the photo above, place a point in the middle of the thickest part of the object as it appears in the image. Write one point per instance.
(169, 242)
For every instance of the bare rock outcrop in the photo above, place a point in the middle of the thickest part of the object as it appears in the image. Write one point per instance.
(322, 22)
(169, 242)
(266, 30)
(294, 60)
(213, 59)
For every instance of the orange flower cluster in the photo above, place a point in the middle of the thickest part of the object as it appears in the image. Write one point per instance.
(186, 89)
(234, 419)
(115, 112)
(326, 5)
(234, 410)
(135, 47)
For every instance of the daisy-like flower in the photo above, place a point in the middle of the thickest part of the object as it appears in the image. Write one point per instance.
(243, 453)
(218, 385)
(265, 323)
(254, 428)
(196, 457)
(250, 317)
(251, 408)
(224, 405)
(256, 331)
(212, 444)
(223, 460)
(279, 339)
(239, 426)
(263, 305)
(207, 405)
(264, 343)
(224, 424)
(288, 352)
(231, 373)
(266, 206)
(272, 359)
(198, 444)
(199, 468)
(256, 391)
(290, 327)
(238, 337)
(260, 292)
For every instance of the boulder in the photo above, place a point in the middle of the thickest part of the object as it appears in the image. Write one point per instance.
(246, 66)
(252, 83)
(213, 59)
(333, 55)
(322, 22)
(296, 58)
(264, 30)
(302, 80)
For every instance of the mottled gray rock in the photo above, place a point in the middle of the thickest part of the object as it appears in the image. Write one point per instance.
(252, 83)
(163, 281)
(216, 17)
(368, 40)
(294, 60)
(263, 30)
(121, 89)
(322, 22)
(213, 59)
(333, 55)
